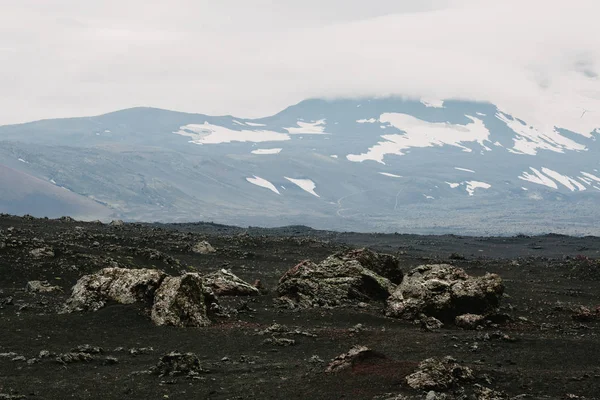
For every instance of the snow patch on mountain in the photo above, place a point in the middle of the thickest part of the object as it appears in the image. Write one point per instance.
(266, 151)
(391, 175)
(213, 134)
(258, 181)
(590, 176)
(304, 184)
(529, 140)
(464, 169)
(419, 133)
(472, 185)
(308, 128)
(569, 183)
(453, 185)
(538, 178)
(366, 121)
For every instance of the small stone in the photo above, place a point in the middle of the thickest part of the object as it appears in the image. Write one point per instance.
(41, 287)
(469, 321)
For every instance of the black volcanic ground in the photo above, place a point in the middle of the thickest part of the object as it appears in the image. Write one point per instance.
(542, 352)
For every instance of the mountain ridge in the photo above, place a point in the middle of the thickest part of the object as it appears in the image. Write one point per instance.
(384, 164)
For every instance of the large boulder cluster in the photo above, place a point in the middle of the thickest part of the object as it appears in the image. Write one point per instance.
(437, 292)
(444, 292)
(171, 300)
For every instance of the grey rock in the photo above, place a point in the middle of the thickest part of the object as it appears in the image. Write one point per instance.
(348, 360)
(439, 375)
(178, 364)
(42, 252)
(41, 287)
(430, 323)
(469, 321)
(225, 283)
(283, 342)
(182, 301)
(73, 357)
(384, 265)
(122, 285)
(444, 291)
(203, 247)
(333, 282)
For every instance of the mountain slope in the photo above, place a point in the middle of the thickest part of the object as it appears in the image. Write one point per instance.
(370, 164)
(21, 193)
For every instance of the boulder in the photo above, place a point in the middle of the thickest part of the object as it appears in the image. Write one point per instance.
(182, 301)
(203, 247)
(348, 360)
(333, 282)
(225, 283)
(439, 374)
(444, 292)
(41, 287)
(384, 265)
(116, 222)
(122, 285)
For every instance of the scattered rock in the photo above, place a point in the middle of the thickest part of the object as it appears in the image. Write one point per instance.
(350, 359)
(483, 393)
(42, 252)
(333, 282)
(178, 364)
(284, 342)
(444, 292)
(73, 357)
(203, 247)
(182, 301)
(225, 283)
(41, 287)
(439, 374)
(110, 360)
(469, 321)
(584, 314)
(86, 348)
(125, 286)
(430, 323)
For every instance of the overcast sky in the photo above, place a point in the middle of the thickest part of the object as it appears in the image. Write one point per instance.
(539, 60)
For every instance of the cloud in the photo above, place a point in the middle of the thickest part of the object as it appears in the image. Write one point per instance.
(538, 60)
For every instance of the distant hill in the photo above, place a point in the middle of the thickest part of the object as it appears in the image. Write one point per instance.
(368, 165)
(21, 193)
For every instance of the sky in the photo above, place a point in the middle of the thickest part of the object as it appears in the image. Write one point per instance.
(538, 60)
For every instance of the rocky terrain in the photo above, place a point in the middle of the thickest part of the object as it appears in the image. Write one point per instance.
(90, 310)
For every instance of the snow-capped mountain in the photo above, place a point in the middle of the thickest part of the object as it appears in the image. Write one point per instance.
(368, 164)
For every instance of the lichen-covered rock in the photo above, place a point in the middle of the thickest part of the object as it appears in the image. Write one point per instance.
(177, 364)
(333, 282)
(384, 265)
(351, 358)
(42, 252)
(41, 287)
(122, 285)
(225, 283)
(203, 247)
(444, 292)
(469, 321)
(181, 301)
(439, 374)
